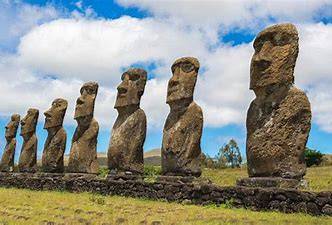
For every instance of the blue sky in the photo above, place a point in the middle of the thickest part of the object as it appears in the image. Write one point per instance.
(49, 48)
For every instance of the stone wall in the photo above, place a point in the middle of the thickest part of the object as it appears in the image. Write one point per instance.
(284, 200)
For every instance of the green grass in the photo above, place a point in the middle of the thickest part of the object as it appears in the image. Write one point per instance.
(32, 207)
(28, 207)
(319, 178)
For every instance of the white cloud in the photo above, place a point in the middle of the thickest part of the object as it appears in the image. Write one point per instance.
(239, 13)
(75, 50)
(315, 56)
(321, 104)
(17, 18)
(223, 88)
(314, 71)
(22, 89)
(99, 49)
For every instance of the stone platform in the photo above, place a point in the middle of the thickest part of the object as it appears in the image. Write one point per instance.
(284, 200)
(270, 182)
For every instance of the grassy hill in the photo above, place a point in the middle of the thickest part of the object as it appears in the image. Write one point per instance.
(27, 207)
(152, 157)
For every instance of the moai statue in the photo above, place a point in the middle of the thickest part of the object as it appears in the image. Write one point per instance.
(28, 157)
(279, 118)
(83, 152)
(125, 153)
(7, 160)
(183, 128)
(55, 145)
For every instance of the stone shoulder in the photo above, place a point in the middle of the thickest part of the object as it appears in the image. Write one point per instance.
(297, 99)
(196, 110)
(140, 114)
(94, 124)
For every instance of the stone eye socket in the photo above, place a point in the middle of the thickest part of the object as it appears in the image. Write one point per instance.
(187, 67)
(258, 44)
(89, 91)
(134, 77)
(275, 39)
(281, 40)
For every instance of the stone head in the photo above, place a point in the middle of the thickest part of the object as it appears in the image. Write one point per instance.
(86, 102)
(12, 126)
(54, 116)
(276, 50)
(181, 85)
(131, 88)
(29, 122)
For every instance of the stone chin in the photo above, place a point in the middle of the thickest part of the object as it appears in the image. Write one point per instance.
(54, 121)
(176, 97)
(82, 111)
(27, 129)
(269, 77)
(10, 133)
(11, 130)
(49, 125)
(123, 102)
(84, 120)
(26, 132)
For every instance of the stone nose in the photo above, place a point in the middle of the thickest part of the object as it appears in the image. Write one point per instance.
(173, 83)
(122, 88)
(174, 80)
(79, 101)
(264, 53)
(47, 113)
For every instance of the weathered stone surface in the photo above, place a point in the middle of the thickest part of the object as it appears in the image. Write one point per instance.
(285, 200)
(7, 160)
(279, 118)
(28, 157)
(124, 155)
(83, 152)
(55, 145)
(268, 182)
(183, 128)
(327, 210)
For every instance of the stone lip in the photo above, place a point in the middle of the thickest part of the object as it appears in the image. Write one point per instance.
(270, 182)
(200, 193)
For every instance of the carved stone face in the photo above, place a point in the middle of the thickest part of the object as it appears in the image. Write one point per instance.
(276, 50)
(131, 88)
(29, 122)
(11, 128)
(54, 116)
(86, 102)
(181, 85)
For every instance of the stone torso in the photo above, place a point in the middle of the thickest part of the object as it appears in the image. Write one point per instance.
(181, 142)
(7, 161)
(28, 157)
(54, 149)
(125, 152)
(277, 132)
(83, 152)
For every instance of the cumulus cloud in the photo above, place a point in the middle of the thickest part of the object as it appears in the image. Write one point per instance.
(314, 72)
(224, 14)
(22, 89)
(102, 48)
(17, 18)
(53, 59)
